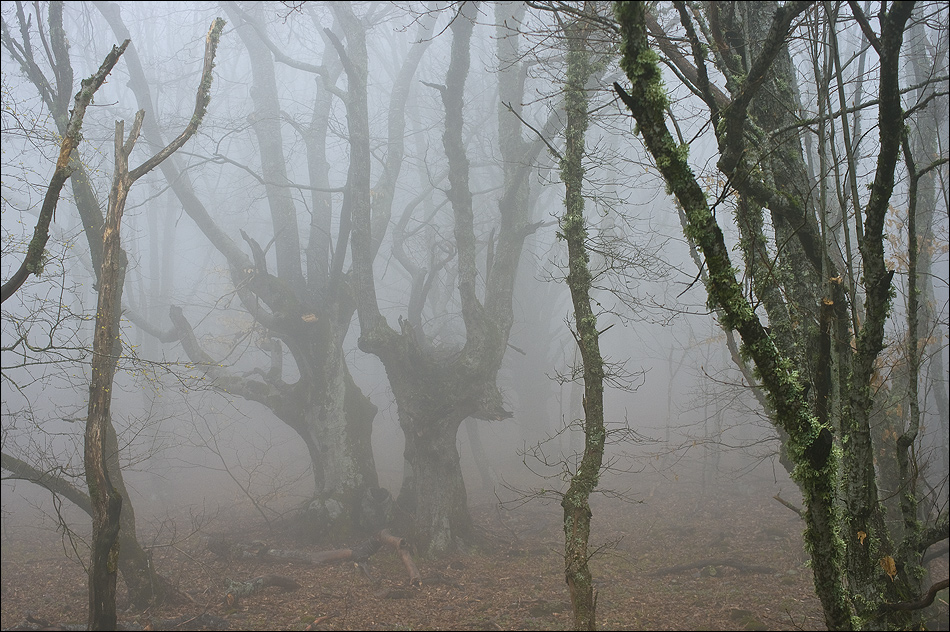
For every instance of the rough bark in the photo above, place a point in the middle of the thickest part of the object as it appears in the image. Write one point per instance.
(435, 390)
(106, 501)
(864, 511)
(809, 344)
(307, 317)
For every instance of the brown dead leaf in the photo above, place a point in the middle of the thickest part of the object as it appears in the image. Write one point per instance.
(889, 566)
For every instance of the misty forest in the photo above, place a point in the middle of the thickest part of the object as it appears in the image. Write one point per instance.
(475, 315)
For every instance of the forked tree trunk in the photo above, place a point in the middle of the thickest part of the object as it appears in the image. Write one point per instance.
(309, 316)
(105, 499)
(647, 102)
(847, 555)
(436, 390)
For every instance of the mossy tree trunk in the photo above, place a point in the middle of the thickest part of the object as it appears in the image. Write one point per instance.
(809, 443)
(576, 501)
(852, 573)
(869, 581)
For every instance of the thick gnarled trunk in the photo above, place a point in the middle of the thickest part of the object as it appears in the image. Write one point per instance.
(308, 316)
(432, 502)
(434, 396)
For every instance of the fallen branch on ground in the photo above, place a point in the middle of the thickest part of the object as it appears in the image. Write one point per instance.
(402, 548)
(237, 590)
(358, 555)
(739, 566)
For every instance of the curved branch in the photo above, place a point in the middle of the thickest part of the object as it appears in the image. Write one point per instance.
(33, 263)
(202, 99)
(23, 471)
(254, 390)
(921, 603)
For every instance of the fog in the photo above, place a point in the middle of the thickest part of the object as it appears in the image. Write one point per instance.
(253, 230)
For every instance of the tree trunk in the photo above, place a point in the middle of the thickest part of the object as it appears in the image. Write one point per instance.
(925, 134)
(436, 388)
(107, 348)
(576, 502)
(434, 396)
(311, 317)
(433, 492)
(863, 507)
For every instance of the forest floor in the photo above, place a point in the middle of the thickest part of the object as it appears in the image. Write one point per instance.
(730, 558)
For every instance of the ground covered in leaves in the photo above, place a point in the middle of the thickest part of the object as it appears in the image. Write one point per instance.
(726, 558)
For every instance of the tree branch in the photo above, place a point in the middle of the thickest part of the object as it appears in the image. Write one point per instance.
(202, 99)
(33, 262)
(222, 379)
(21, 470)
(921, 603)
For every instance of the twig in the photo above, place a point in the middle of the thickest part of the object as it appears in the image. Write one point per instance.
(797, 510)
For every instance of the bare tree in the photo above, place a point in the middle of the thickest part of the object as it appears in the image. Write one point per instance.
(105, 498)
(306, 316)
(438, 386)
(145, 585)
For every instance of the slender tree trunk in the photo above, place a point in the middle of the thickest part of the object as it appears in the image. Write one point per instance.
(107, 347)
(864, 511)
(576, 505)
(106, 500)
